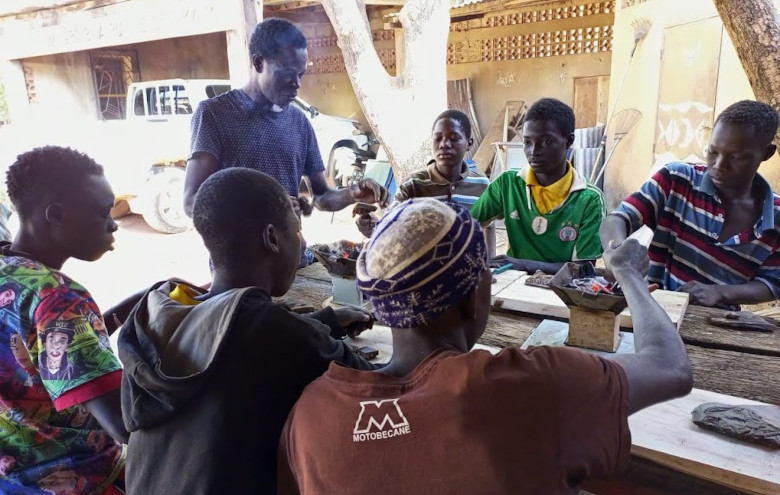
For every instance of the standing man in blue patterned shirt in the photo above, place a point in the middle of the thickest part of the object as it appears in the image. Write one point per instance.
(255, 127)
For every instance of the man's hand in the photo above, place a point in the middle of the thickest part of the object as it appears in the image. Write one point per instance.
(369, 191)
(703, 294)
(354, 321)
(301, 206)
(366, 224)
(627, 255)
(503, 259)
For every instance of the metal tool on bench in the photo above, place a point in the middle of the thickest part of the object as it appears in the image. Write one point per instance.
(593, 315)
(340, 260)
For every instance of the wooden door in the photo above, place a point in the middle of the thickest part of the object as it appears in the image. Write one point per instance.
(689, 84)
(591, 97)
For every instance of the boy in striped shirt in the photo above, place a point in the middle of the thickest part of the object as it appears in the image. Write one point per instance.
(446, 177)
(716, 225)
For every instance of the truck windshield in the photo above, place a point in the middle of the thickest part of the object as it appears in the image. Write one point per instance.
(213, 90)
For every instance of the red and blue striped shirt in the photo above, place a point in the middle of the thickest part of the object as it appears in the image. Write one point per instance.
(682, 207)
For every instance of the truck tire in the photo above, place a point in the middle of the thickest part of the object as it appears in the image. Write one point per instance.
(164, 202)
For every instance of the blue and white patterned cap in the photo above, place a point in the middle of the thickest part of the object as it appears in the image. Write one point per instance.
(425, 256)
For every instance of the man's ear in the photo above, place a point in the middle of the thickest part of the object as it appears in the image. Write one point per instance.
(570, 140)
(271, 240)
(258, 62)
(471, 142)
(55, 214)
(468, 306)
(770, 152)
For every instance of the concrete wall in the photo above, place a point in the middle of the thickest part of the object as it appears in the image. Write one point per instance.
(332, 94)
(634, 158)
(64, 87)
(190, 57)
(493, 83)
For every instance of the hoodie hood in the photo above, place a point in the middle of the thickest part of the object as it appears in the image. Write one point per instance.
(168, 349)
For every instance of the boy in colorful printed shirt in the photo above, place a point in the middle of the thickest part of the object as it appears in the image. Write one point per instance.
(446, 177)
(716, 226)
(552, 214)
(59, 381)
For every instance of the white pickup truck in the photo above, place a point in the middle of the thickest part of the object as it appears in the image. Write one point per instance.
(168, 105)
(145, 155)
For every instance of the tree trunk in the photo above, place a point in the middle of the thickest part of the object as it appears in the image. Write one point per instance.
(754, 28)
(401, 108)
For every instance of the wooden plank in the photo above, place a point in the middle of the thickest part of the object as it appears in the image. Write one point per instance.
(586, 100)
(696, 329)
(315, 271)
(506, 328)
(736, 373)
(381, 338)
(665, 434)
(483, 157)
(535, 300)
(503, 280)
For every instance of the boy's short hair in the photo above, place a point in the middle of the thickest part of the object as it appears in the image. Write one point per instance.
(457, 116)
(555, 111)
(232, 202)
(761, 117)
(45, 172)
(274, 34)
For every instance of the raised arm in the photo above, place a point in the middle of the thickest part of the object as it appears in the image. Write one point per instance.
(659, 370)
(613, 228)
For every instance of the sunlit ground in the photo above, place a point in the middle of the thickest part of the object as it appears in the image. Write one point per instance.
(142, 256)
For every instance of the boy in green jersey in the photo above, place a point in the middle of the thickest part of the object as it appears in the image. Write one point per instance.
(552, 213)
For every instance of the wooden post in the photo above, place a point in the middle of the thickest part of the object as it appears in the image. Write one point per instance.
(754, 27)
(400, 50)
(239, 63)
(593, 329)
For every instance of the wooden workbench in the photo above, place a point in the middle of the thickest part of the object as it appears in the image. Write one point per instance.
(725, 361)
(739, 364)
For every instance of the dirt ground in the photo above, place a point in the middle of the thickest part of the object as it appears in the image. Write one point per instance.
(142, 256)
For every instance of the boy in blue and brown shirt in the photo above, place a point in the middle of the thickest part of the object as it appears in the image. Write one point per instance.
(446, 176)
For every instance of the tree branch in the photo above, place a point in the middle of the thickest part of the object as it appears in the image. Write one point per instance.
(754, 28)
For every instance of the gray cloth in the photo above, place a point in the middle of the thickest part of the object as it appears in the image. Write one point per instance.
(206, 389)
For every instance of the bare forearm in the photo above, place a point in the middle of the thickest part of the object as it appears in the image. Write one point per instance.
(121, 310)
(333, 200)
(108, 411)
(659, 370)
(613, 228)
(753, 292)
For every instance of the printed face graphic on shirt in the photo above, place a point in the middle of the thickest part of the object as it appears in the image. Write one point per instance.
(54, 360)
(7, 464)
(20, 352)
(62, 482)
(7, 297)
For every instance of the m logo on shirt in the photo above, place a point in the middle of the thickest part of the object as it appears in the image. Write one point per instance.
(380, 419)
